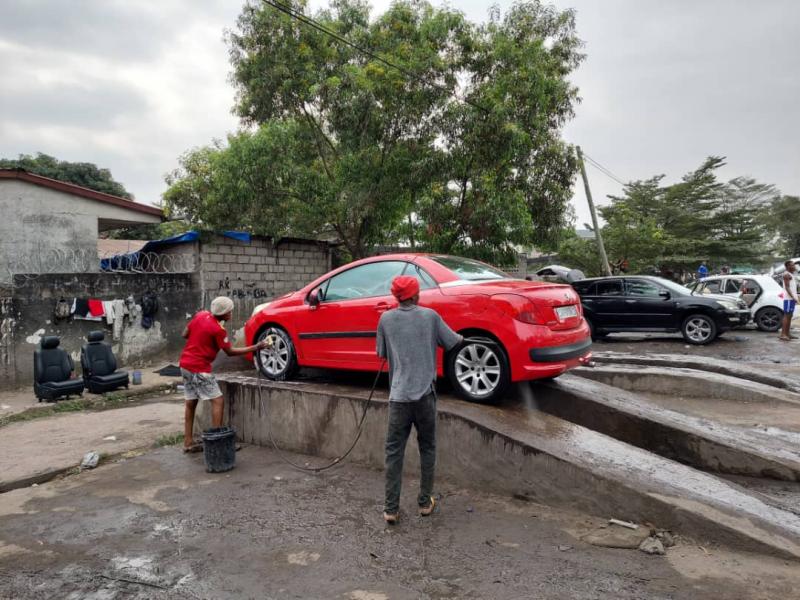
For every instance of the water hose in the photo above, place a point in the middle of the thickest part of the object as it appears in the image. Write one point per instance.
(336, 460)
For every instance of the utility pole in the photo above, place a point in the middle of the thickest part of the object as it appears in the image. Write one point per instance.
(597, 235)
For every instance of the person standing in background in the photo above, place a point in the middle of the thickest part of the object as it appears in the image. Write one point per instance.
(789, 300)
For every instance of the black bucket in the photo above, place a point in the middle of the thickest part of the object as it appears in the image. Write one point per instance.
(219, 449)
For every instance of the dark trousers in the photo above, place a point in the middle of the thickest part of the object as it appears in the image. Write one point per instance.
(402, 415)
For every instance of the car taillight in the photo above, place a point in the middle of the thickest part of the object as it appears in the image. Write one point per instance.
(519, 308)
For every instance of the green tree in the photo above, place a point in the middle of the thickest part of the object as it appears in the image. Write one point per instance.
(84, 174)
(782, 226)
(674, 227)
(457, 150)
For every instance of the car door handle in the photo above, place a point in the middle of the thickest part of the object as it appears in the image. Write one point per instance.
(382, 306)
(631, 301)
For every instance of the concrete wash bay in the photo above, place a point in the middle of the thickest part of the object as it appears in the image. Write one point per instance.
(526, 494)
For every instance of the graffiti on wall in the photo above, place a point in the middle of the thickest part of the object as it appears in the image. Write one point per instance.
(239, 289)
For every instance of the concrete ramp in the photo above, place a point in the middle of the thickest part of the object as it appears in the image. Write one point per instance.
(521, 451)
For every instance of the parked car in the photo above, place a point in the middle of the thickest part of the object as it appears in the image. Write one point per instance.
(518, 330)
(642, 303)
(559, 274)
(761, 293)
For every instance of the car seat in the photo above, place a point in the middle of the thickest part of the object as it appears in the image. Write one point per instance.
(100, 365)
(52, 371)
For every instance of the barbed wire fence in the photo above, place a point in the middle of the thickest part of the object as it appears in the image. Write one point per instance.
(18, 267)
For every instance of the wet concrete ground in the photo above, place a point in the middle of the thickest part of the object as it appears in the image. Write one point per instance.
(158, 526)
(741, 345)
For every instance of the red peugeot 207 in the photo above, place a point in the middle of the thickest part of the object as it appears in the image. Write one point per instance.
(516, 330)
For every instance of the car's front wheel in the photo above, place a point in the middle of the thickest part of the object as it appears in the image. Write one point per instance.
(699, 329)
(479, 370)
(279, 362)
(769, 318)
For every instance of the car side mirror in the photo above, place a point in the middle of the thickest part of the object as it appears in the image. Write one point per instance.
(665, 294)
(313, 299)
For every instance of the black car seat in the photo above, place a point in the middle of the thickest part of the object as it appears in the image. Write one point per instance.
(100, 365)
(52, 371)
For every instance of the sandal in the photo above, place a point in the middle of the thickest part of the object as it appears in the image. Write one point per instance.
(196, 447)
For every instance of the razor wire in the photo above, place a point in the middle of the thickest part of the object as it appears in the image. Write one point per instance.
(18, 265)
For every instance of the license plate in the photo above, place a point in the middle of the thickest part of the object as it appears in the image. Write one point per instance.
(566, 312)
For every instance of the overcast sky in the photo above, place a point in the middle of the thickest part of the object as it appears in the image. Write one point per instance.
(132, 85)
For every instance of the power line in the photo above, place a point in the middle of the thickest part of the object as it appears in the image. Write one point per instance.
(607, 172)
(310, 22)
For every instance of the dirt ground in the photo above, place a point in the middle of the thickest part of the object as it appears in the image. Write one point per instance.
(159, 526)
(31, 449)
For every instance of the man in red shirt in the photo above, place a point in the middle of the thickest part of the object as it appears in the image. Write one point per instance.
(205, 337)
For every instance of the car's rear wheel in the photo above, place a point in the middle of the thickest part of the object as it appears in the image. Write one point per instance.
(479, 370)
(699, 329)
(769, 318)
(278, 363)
(596, 335)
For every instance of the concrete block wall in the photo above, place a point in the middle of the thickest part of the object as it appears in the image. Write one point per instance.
(251, 273)
(29, 314)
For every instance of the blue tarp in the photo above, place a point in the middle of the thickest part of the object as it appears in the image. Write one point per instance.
(131, 261)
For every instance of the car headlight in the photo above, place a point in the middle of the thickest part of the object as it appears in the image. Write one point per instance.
(259, 308)
(728, 304)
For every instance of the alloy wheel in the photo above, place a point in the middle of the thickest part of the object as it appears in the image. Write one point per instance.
(698, 329)
(276, 358)
(478, 369)
(769, 319)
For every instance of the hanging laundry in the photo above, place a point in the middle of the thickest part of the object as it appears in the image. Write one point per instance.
(82, 312)
(108, 309)
(120, 310)
(96, 307)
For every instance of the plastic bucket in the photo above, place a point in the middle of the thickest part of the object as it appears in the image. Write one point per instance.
(219, 449)
(137, 378)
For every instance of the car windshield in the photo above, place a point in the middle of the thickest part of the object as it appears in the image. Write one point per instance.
(674, 287)
(469, 270)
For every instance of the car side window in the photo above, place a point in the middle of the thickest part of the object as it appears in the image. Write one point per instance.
(750, 287)
(608, 288)
(426, 282)
(711, 287)
(732, 286)
(639, 287)
(372, 279)
(584, 289)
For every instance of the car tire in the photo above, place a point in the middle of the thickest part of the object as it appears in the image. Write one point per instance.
(699, 329)
(278, 363)
(479, 371)
(769, 318)
(596, 335)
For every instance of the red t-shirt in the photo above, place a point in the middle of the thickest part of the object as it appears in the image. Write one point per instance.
(206, 338)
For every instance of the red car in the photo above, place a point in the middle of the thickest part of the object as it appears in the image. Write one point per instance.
(518, 330)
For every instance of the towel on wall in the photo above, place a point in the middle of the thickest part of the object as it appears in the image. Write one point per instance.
(96, 307)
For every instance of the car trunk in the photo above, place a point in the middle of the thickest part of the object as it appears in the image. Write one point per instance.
(546, 297)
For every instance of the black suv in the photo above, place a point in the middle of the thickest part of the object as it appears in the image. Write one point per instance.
(640, 303)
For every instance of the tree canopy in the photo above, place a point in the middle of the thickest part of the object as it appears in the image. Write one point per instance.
(84, 174)
(455, 146)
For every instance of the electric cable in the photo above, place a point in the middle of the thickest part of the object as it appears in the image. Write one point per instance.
(336, 460)
(606, 171)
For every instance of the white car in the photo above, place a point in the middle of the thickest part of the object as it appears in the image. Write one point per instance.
(761, 293)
